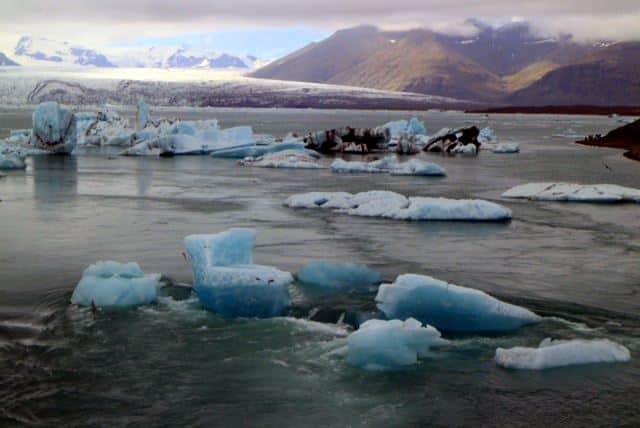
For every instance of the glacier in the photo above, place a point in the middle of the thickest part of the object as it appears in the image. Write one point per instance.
(113, 284)
(568, 192)
(333, 275)
(227, 282)
(380, 345)
(391, 205)
(561, 353)
(449, 307)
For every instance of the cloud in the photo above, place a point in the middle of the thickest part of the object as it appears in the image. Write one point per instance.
(116, 20)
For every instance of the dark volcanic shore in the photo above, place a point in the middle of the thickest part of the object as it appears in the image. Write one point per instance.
(577, 109)
(626, 137)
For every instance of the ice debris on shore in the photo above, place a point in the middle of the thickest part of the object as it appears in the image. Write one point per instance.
(380, 345)
(226, 280)
(568, 192)
(386, 204)
(449, 307)
(562, 353)
(334, 275)
(294, 159)
(113, 284)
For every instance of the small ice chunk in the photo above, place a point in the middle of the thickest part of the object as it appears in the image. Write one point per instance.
(327, 200)
(465, 149)
(113, 284)
(449, 307)
(507, 148)
(335, 275)
(390, 345)
(561, 353)
(568, 192)
(418, 167)
(226, 280)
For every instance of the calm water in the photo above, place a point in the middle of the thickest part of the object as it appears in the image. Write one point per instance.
(173, 364)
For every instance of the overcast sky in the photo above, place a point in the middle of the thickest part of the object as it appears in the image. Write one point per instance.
(290, 23)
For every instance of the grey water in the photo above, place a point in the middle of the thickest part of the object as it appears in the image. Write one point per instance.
(174, 364)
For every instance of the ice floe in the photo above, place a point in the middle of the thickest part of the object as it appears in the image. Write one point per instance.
(333, 275)
(393, 205)
(506, 148)
(226, 280)
(113, 284)
(449, 307)
(569, 192)
(561, 353)
(295, 159)
(390, 345)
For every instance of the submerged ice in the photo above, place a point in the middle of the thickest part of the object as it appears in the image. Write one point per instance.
(560, 353)
(113, 284)
(390, 345)
(449, 307)
(226, 280)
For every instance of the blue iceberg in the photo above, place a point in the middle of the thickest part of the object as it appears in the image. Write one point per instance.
(113, 284)
(254, 151)
(334, 275)
(449, 307)
(390, 345)
(226, 280)
(54, 129)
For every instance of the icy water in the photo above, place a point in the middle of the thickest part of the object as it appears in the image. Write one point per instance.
(173, 364)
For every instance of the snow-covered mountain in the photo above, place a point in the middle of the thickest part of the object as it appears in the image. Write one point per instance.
(38, 50)
(4, 61)
(41, 49)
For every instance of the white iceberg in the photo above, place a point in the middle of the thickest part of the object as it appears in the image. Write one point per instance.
(390, 345)
(418, 167)
(226, 280)
(294, 159)
(393, 205)
(113, 284)
(568, 192)
(54, 129)
(449, 307)
(506, 148)
(561, 353)
(333, 275)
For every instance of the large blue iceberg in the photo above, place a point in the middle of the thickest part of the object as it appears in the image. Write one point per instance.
(226, 280)
(449, 307)
(54, 129)
(390, 345)
(561, 353)
(334, 275)
(113, 284)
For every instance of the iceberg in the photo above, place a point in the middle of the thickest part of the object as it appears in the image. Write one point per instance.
(487, 136)
(397, 128)
(295, 159)
(381, 165)
(11, 159)
(567, 192)
(334, 275)
(249, 149)
(54, 129)
(561, 353)
(113, 284)
(416, 127)
(227, 282)
(143, 115)
(393, 205)
(449, 307)
(418, 167)
(380, 345)
(506, 148)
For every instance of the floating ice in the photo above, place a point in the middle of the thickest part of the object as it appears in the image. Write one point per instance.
(416, 127)
(113, 284)
(11, 159)
(506, 148)
(143, 115)
(487, 136)
(226, 280)
(381, 165)
(449, 307)
(568, 192)
(467, 149)
(413, 126)
(392, 205)
(327, 274)
(251, 150)
(295, 159)
(418, 167)
(390, 345)
(561, 353)
(54, 128)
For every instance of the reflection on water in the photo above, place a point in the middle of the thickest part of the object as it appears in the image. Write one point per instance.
(173, 363)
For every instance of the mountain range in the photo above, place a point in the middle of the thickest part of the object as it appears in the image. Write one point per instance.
(38, 50)
(510, 65)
